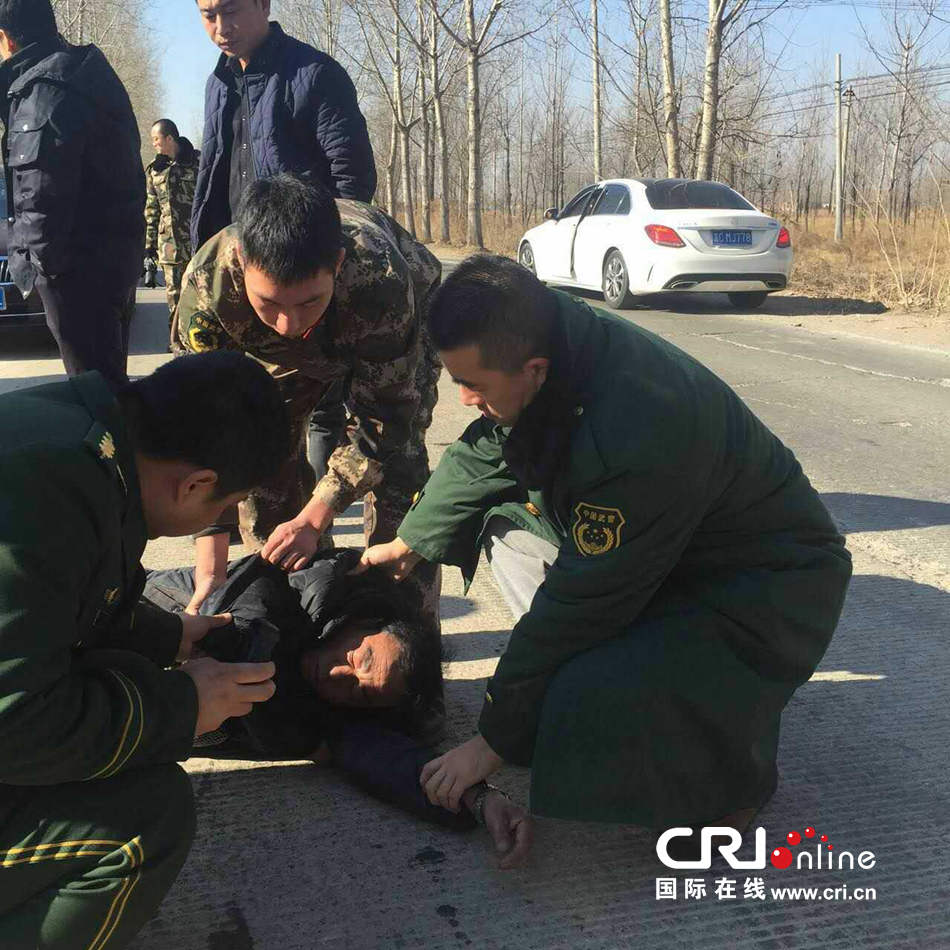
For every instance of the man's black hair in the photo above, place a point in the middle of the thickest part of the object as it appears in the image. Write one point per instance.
(26, 21)
(289, 228)
(493, 303)
(220, 411)
(165, 126)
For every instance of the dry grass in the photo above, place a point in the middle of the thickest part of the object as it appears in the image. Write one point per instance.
(899, 266)
(877, 262)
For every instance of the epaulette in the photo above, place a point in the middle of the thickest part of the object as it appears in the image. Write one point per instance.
(99, 441)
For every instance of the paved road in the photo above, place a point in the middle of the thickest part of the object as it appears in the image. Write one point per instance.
(289, 857)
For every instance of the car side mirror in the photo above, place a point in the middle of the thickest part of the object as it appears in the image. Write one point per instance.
(550, 214)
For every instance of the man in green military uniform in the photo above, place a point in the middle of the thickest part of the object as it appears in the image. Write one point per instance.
(675, 576)
(96, 818)
(170, 190)
(327, 293)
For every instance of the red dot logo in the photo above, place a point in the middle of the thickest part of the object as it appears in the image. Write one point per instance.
(781, 857)
(824, 837)
(794, 838)
(830, 846)
(809, 832)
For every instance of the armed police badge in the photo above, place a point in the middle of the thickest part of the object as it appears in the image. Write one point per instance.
(203, 334)
(597, 529)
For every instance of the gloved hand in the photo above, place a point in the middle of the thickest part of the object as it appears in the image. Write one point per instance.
(150, 269)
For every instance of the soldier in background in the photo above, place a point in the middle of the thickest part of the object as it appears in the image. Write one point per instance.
(170, 189)
(328, 294)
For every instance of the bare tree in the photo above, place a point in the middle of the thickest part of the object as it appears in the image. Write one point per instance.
(670, 105)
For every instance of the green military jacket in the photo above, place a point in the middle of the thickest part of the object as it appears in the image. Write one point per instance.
(170, 191)
(371, 334)
(652, 476)
(83, 692)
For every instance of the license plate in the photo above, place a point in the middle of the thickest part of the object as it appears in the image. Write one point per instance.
(732, 238)
(3, 299)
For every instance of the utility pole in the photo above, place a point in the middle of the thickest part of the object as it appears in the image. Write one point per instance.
(839, 158)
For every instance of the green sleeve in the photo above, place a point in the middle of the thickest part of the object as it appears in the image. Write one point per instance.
(68, 715)
(445, 523)
(605, 574)
(154, 633)
(153, 214)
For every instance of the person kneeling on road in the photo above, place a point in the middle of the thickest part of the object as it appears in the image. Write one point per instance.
(673, 574)
(359, 683)
(96, 817)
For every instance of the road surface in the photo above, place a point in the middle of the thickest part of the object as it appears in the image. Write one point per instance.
(288, 857)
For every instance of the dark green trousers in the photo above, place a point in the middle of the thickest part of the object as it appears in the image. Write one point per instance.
(83, 866)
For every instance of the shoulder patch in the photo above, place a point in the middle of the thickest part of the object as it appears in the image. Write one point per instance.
(100, 442)
(597, 529)
(203, 334)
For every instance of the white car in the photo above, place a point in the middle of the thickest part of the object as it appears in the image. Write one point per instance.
(635, 236)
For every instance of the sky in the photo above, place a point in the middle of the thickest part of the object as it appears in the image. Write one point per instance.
(816, 33)
(188, 57)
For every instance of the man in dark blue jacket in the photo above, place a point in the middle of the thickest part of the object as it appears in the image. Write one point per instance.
(273, 104)
(71, 148)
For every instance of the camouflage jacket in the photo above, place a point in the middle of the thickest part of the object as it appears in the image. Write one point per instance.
(370, 334)
(170, 189)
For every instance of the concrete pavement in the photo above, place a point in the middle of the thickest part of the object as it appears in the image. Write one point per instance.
(288, 856)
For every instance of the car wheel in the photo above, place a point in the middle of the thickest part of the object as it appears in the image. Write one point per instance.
(526, 258)
(748, 299)
(616, 283)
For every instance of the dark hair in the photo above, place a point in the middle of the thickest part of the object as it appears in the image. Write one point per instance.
(289, 228)
(26, 21)
(220, 411)
(166, 127)
(494, 303)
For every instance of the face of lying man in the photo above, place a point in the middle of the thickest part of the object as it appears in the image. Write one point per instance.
(358, 667)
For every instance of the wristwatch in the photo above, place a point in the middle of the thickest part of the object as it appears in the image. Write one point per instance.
(478, 805)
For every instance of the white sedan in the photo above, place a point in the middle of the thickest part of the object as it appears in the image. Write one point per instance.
(635, 236)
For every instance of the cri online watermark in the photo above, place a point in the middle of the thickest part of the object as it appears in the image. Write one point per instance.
(782, 857)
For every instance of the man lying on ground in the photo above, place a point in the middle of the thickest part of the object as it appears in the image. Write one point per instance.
(359, 683)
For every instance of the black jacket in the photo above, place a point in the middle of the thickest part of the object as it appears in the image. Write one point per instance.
(276, 620)
(75, 181)
(304, 118)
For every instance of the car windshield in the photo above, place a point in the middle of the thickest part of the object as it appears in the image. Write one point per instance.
(676, 195)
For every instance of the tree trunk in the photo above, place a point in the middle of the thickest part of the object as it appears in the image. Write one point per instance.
(474, 236)
(391, 171)
(598, 107)
(426, 229)
(403, 130)
(707, 142)
(445, 231)
(671, 111)
(424, 167)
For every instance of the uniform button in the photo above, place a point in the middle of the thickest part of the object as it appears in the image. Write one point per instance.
(416, 497)
(26, 126)
(533, 509)
(578, 410)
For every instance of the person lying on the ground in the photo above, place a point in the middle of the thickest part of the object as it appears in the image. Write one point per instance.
(358, 682)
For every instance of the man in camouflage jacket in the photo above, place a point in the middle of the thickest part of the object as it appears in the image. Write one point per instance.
(170, 190)
(324, 292)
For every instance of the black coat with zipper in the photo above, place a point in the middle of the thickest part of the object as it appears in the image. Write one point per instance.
(71, 149)
(278, 617)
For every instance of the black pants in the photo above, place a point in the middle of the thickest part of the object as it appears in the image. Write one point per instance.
(89, 315)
